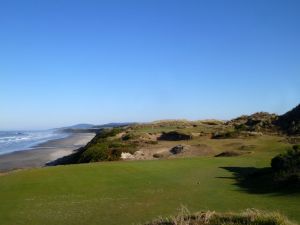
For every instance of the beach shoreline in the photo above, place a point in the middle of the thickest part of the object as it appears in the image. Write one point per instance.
(43, 153)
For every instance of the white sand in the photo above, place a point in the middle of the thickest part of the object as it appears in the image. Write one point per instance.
(44, 152)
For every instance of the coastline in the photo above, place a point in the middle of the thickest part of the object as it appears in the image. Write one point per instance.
(44, 152)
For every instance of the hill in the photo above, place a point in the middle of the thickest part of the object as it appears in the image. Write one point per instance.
(117, 141)
(258, 122)
(290, 121)
(111, 125)
(89, 128)
(80, 126)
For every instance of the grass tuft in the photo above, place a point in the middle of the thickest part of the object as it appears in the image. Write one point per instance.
(247, 217)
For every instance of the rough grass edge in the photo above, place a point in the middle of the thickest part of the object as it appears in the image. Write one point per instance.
(247, 217)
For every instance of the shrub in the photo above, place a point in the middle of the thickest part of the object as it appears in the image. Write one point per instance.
(102, 152)
(241, 127)
(106, 133)
(175, 136)
(101, 148)
(289, 161)
(95, 153)
(287, 166)
(130, 136)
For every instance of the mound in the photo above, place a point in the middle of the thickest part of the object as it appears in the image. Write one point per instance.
(257, 122)
(174, 136)
(290, 121)
(230, 154)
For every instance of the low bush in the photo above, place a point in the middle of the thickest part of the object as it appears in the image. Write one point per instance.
(175, 136)
(104, 134)
(95, 153)
(129, 136)
(106, 151)
(241, 127)
(235, 134)
(289, 161)
(287, 166)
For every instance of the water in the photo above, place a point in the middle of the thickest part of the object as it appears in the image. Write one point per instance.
(11, 141)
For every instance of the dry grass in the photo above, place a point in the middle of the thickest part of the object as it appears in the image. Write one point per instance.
(247, 217)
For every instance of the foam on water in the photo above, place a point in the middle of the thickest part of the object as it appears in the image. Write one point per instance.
(11, 141)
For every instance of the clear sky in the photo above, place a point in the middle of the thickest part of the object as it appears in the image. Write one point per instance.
(67, 62)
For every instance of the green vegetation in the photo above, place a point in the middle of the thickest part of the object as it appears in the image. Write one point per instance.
(282, 177)
(206, 126)
(103, 147)
(129, 136)
(287, 165)
(138, 191)
(103, 151)
(248, 217)
(227, 134)
(114, 193)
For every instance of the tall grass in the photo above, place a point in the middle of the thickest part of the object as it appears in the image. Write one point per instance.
(247, 217)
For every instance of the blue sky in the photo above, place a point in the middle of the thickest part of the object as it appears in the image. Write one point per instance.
(67, 62)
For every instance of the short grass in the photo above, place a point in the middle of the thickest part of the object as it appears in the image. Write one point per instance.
(134, 192)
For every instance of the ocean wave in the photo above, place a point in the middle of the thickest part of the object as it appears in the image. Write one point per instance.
(21, 140)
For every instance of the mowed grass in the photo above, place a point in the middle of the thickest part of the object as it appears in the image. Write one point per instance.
(135, 192)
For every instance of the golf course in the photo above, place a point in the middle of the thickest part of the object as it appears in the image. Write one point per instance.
(134, 192)
(149, 112)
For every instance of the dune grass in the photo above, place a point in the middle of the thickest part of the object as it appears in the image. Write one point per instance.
(247, 217)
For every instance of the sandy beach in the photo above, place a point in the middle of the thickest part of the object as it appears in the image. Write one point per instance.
(43, 153)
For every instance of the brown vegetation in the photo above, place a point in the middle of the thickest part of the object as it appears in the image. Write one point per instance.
(248, 217)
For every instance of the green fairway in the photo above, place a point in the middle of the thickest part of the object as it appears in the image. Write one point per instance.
(133, 192)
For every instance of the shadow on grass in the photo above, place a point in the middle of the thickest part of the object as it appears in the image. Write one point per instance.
(259, 181)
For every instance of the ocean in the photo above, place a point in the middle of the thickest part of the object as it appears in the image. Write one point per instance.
(11, 141)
